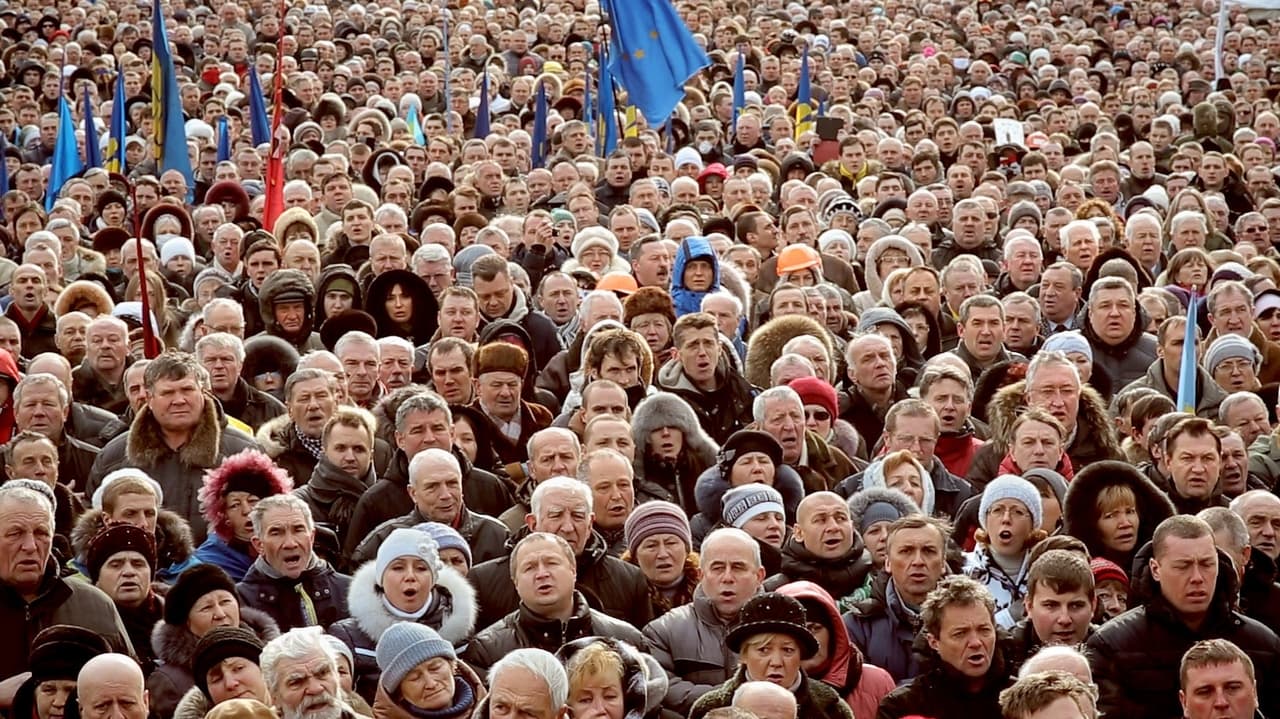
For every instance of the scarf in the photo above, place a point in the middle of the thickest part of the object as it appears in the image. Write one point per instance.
(464, 697)
(313, 445)
(413, 616)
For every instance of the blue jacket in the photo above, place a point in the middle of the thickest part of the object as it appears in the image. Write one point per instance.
(215, 550)
(884, 629)
(686, 300)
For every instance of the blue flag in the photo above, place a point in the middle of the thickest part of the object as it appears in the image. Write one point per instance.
(739, 90)
(1187, 373)
(482, 112)
(539, 158)
(412, 118)
(804, 118)
(92, 143)
(4, 170)
(66, 156)
(588, 106)
(166, 106)
(654, 54)
(224, 139)
(259, 125)
(115, 139)
(608, 114)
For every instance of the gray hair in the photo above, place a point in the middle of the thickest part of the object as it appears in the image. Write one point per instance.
(356, 338)
(218, 303)
(279, 501)
(43, 379)
(1022, 298)
(584, 467)
(223, 341)
(1076, 225)
(564, 484)
(793, 345)
(723, 295)
(433, 454)
(1020, 238)
(296, 644)
(595, 296)
(550, 431)
(1052, 358)
(1188, 216)
(25, 495)
(421, 402)
(761, 403)
(396, 342)
(732, 534)
(541, 664)
(431, 252)
(1236, 399)
(788, 360)
(73, 315)
(1223, 520)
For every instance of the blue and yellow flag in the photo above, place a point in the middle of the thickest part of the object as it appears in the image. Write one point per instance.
(259, 126)
(411, 118)
(224, 139)
(654, 54)
(115, 139)
(170, 129)
(540, 139)
(482, 111)
(92, 143)
(739, 90)
(66, 156)
(1187, 373)
(805, 120)
(607, 116)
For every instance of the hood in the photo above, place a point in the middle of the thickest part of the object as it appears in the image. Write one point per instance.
(867, 496)
(875, 283)
(457, 621)
(176, 645)
(711, 486)
(9, 369)
(1093, 417)
(844, 659)
(694, 248)
(277, 284)
(327, 277)
(81, 292)
(247, 463)
(425, 310)
(881, 315)
(873, 478)
(1115, 253)
(644, 681)
(1080, 512)
(767, 342)
(668, 410)
(291, 217)
(499, 327)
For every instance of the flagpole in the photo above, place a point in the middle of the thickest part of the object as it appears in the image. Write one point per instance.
(274, 204)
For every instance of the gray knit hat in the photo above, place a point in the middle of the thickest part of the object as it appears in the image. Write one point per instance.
(446, 537)
(1068, 342)
(1229, 347)
(405, 645)
(1011, 486)
(404, 542)
(467, 257)
(740, 504)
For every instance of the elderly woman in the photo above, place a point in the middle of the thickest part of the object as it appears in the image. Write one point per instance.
(659, 541)
(747, 457)
(421, 677)
(595, 249)
(610, 679)
(203, 598)
(772, 639)
(57, 655)
(406, 583)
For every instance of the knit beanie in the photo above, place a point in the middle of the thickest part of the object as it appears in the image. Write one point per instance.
(116, 538)
(560, 214)
(404, 542)
(500, 357)
(1011, 486)
(1022, 210)
(876, 513)
(223, 643)
(191, 585)
(62, 650)
(405, 645)
(177, 247)
(1067, 342)
(815, 391)
(446, 537)
(740, 504)
(341, 648)
(594, 237)
(1227, 347)
(467, 257)
(656, 517)
(1106, 570)
(746, 441)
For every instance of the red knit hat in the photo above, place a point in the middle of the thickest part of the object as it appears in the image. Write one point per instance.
(1105, 570)
(814, 391)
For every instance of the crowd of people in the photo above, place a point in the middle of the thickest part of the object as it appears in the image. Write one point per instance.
(924, 363)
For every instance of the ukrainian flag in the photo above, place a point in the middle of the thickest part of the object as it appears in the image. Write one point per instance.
(66, 156)
(166, 106)
(115, 140)
(1187, 372)
(739, 91)
(654, 54)
(805, 119)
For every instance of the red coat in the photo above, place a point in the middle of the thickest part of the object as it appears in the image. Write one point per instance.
(956, 453)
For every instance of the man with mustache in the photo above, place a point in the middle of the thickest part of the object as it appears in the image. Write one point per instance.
(301, 672)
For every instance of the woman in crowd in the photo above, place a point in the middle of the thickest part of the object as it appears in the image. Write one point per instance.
(421, 677)
(610, 679)
(1114, 510)
(659, 542)
(1010, 514)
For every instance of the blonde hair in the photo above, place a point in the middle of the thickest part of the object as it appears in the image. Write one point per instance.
(1114, 497)
(125, 485)
(756, 641)
(596, 660)
(893, 460)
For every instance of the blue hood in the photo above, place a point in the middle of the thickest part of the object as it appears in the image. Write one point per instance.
(693, 248)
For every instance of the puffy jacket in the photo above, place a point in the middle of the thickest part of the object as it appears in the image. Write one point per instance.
(688, 642)
(486, 536)
(252, 406)
(1135, 657)
(264, 589)
(1125, 361)
(1208, 394)
(451, 612)
(522, 629)
(814, 699)
(884, 629)
(608, 583)
(840, 576)
(175, 648)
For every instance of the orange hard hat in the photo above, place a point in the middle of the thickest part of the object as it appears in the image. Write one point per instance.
(620, 282)
(797, 258)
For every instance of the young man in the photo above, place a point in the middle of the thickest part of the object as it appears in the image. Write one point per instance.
(1059, 604)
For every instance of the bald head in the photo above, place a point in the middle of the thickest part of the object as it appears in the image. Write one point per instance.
(766, 700)
(1058, 658)
(51, 363)
(112, 685)
(823, 525)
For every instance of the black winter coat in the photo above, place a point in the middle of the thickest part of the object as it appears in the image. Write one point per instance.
(252, 406)
(486, 536)
(940, 692)
(840, 577)
(523, 628)
(280, 598)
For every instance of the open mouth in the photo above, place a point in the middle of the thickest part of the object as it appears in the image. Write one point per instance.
(292, 560)
(1005, 535)
(832, 542)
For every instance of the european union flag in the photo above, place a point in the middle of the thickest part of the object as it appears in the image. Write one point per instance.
(805, 121)
(66, 156)
(654, 54)
(540, 140)
(607, 136)
(739, 90)
(259, 127)
(92, 143)
(482, 112)
(224, 139)
(166, 106)
(115, 139)
(1187, 373)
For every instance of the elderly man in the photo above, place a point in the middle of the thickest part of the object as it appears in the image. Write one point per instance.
(222, 356)
(1246, 413)
(872, 371)
(85, 422)
(36, 323)
(111, 686)
(435, 489)
(360, 356)
(121, 561)
(1122, 349)
(703, 374)
(294, 441)
(71, 338)
(300, 669)
(423, 421)
(765, 700)
(551, 611)
(611, 477)
(1230, 305)
(780, 412)
(175, 438)
(563, 506)
(287, 580)
(553, 452)
(396, 358)
(40, 404)
(500, 370)
(688, 641)
(99, 378)
(1188, 605)
(33, 594)
(533, 680)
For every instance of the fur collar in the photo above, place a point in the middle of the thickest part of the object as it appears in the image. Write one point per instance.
(174, 543)
(147, 448)
(175, 645)
(274, 435)
(1092, 421)
(365, 605)
(193, 705)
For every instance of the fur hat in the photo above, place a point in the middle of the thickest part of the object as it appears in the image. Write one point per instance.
(246, 471)
(191, 585)
(499, 357)
(648, 301)
(81, 293)
(116, 538)
(772, 613)
(872, 505)
(335, 327)
(110, 238)
(241, 709)
(268, 353)
(222, 643)
(594, 237)
(62, 650)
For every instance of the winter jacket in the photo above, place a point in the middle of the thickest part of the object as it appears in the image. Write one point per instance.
(423, 320)
(722, 411)
(1024, 643)
(523, 628)
(682, 477)
(332, 495)
(1135, 657)
(232, 559)
(1259, 593)
(883, 627)
(468, 693)
(93, 425)
(838, 576)
(1094, 441)
(948, 250)
(685, 300)
(712, 485)
(451, 612)
(179, 473)
(252, 406)
(1126, 361)
(37, 333)
(941, 692)
(175, 649)
(280, 442)
(824, 466)
(1008, 591)
(644, 683)
(688, 642)
(545, 340)
(861, 685)
(865, 418)
(58, 601)
(486, 536)
(956, 450)
(609, 584)
(265, 589)
(814, 699)
(292, 281)
(88, 386)
(1208, 394)
(175, 551)
(1080, 510)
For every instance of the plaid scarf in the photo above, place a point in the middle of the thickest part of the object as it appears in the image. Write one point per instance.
(314, 445)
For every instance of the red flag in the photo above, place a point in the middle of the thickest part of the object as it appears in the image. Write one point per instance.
(279, 139)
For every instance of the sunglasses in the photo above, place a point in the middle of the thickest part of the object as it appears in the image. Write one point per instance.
(818, 415)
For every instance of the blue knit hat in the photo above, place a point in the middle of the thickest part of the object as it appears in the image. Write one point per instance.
(446, 537)
(405, 645)
(1068, 342)
(1011, 486)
